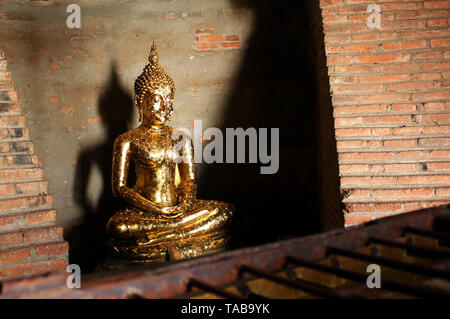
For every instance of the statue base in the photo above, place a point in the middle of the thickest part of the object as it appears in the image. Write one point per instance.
(169, 251)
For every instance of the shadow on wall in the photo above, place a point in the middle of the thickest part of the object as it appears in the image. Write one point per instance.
(276, 87)
(88, 240)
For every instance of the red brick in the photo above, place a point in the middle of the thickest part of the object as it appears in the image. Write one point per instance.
(403, 107)
(35, 268)
(436, 129)
(357, 69)
(11, 108)
(367, 156)
(356, 220)
(338, 59)
(423, 179)
(407, 130)
(430, 96)
(232, 38)
(374, 144)
(439, 166)
(5, 76)
(435, 141)
(387, 119)
(351, 144)
(376, 168)
(372, 207)
(6, 147)
(32, 187)
(412, 86)
(365, 37)
(327, 3)
(442, 191)
(364, 48)
(230, 45)
(343, 100)
(211, 38)
(355, 89)
(433, 55)
(437, 203)
(411, 206)
(14, 256)
(52, 249)
(10, 238)
(343, 9)
(204, 31)
(437, 23)
(384, 78)
(412, 155)
(53, 100)
(348, 121)
(384, 58)
(206, 46)
(424, 34)
(8, 221)
(342, 79)
(6, 85)
(426, 76)
(440, 43)
(42, 234)
(433, 118)
(353, 132)
(23, 173)
(402, 193)
(399, 143)
(7, 189)
(440, 154)
(25, 202)
(368, 180)
(421, 14)
(381, 131)
(40, 217)
(398, 6)
(405, 45)
(12, 120)
(436, 4)
(6, 133)
(353, 168)
(389, 168)
(335, 38)
(380, 98)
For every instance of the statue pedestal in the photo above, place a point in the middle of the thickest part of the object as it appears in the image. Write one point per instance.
(120, 264)
(170, 251)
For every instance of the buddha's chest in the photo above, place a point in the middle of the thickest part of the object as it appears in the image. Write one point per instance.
(153, 150)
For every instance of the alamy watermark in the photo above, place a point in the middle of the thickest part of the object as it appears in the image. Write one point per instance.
(234, 150)
(74, 18)
(374, 20)
(74, 279)
(374, 279)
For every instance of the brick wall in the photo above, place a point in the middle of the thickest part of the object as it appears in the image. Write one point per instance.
(30, 241)
(391, 100)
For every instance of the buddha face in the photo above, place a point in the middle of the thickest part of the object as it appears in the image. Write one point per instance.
(157, 105)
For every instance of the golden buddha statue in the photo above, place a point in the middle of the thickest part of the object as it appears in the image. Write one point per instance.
(165, 221)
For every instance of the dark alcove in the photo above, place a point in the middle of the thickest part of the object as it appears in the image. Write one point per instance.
(283, 84)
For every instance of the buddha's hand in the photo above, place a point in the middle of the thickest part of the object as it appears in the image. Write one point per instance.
(172, 211)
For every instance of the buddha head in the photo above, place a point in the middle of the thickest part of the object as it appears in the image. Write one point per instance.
(154, 92)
